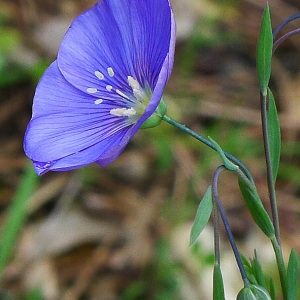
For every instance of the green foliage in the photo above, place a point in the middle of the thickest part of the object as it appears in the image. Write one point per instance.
(272, 289)
(9, 38)
(257, 277)
(292, 276)
(16, 215)
(257, 210)
(9, 73)
(273, 134)
(258, 272)
(12, 72)
(202, 216)
(38, 69)
(35, 294)
(218, 286)
(264, 51)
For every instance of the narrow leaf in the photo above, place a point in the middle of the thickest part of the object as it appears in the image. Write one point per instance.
(257, 269)
(248, 269)
(218, 286)
(16, 215)
(273, 134)
(264, 51)
(202, 216)
(272, 289)
(257, 210)
(292, 276)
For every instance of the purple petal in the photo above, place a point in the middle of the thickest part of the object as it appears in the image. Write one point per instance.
(72, 124)
(132, 38)
(68, 130)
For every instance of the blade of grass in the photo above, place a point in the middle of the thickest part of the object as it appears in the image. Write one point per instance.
(16, 216)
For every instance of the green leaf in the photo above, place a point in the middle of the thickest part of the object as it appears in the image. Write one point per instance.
(273, 134)
(272, 289)
(264, 51)
(16, 215)
(292, 276)
(257, 210)
(248, 269)
(218, 286)
(258, 272)
(202, 216)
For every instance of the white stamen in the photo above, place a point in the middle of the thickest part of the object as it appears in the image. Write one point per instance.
(138, 92)
(110, 72)
(133, 83)
(98, 101)
(123, 112)
(99, 75)
(122, 94)
(92, 90)
(109, 87)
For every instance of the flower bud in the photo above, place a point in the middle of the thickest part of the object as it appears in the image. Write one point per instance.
(253, 292)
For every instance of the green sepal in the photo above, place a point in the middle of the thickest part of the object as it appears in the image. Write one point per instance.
(258, 272)
(256, 276)
(218, 285)
(248, 269)
(274, 134)
(156, 118)
(257, 210)
(264, 51)
(202, 216)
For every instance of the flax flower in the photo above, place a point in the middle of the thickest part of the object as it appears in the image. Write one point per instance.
(107, 80)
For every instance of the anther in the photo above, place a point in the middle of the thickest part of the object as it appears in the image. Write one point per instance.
(99, 75)
(110, 72)
(123, 112)
(109, 87)
(91, 90)
(98, 101)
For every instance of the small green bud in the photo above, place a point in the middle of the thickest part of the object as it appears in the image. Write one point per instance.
(156, 117)
(253, 292)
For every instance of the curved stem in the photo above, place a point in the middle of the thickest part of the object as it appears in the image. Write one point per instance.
(271, 189)
(284, 37)
(216, 233)
(209, 144)
(226, 224)
(283, 23)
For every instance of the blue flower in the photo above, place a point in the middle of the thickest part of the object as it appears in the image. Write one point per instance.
(107, 80)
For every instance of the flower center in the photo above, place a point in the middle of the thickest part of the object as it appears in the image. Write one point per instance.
(135, 103)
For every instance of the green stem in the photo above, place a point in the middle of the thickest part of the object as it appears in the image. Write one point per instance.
(271, 189)
(280, 266)
(209, 144)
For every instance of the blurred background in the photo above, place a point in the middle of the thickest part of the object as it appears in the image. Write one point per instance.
(122, 232)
